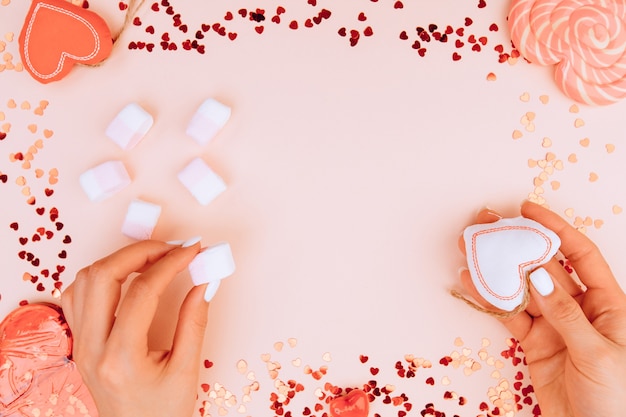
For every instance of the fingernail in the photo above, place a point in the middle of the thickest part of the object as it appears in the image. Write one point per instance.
(489, 211)
(462, 269)
(192, 241)
(175, 242)
(542, 281)
(211, 290)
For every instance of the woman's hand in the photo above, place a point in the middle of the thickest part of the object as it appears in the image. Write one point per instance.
(574, 338)
(126, 378)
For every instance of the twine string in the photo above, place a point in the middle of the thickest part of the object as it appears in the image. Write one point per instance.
(497, 314)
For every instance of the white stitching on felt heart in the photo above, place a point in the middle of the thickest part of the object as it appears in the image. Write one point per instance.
(63, 54)
(522, 266)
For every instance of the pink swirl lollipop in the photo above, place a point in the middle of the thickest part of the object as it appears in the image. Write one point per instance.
(585, 39)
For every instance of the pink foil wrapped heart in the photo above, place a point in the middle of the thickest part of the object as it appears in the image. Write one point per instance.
(500, 256)
(37, 376)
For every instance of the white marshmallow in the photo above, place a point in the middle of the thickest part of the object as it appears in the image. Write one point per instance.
(129, 126)
(104, 180)
(212, 264)
(201, 181)
(210, 117)
(141, 219)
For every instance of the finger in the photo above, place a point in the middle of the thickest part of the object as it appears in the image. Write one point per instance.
(564, 314)
(189, 336)
(584, 255)
(139, 306)
(519, 325)
(67, 301)
(98, 287)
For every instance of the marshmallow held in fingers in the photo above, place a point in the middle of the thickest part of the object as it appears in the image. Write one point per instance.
(500, 256)
(211, 266)
(210, 117)
(141, 219)
(201, 181)
(104, 180)
(129, 126)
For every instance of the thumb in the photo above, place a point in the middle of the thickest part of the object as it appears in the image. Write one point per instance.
(563, 313)
(189, 336)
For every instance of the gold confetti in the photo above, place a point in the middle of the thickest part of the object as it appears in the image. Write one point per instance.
(265, 357)
(569, 212)
(544, 99)
(593, 177)
(532, 163)
(296, 362)
(242, 366)
(25, 105)
(610, 148)
(579, 123)
(572, 158)
(546, 143)
(517, 134)
(550, 156)
(11, 104)
(555, 185)
(530, 128)
(326, 357)
(445, 381)
(558, 164)
(2, 116)
(278, 346)
(292, 341)
(491, 76)
(458, 342)
(584, 142)
(47, 133)
(588, 221)
(573, 108)
(617, 209)
(32, 128)
(598, 223)
(525, 97)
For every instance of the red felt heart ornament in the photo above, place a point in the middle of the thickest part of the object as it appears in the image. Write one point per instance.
(57, 34)
(353, 404)
(37, 376)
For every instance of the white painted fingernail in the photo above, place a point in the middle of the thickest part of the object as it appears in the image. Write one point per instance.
(175, 242)
(462, 269)
(211, 290)
(542, 281)
(192, 241)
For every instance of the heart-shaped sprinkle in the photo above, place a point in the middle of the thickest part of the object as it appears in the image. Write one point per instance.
(353, 404)
(500, 255)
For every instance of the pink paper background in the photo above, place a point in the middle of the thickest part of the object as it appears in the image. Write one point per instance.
(351, 171)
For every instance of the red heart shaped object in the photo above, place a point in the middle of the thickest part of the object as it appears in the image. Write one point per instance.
(353, 404)
(37, 376)
(58, 34)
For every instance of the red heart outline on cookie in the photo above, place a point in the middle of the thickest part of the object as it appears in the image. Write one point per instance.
(500, 255)
(58, 34)
(353, 404)
(37, 375)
